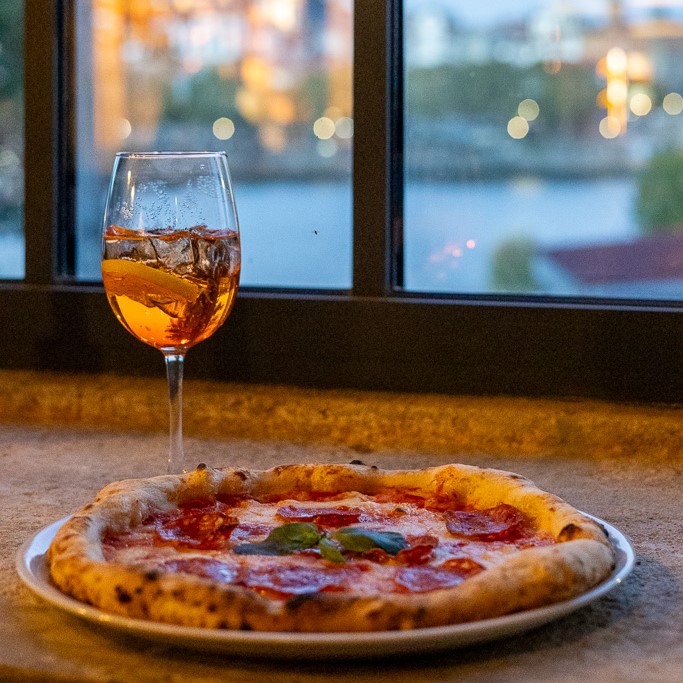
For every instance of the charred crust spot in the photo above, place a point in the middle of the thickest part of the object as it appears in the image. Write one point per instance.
(241, 475)
(419, 616)
(138, 590)
(201, 466)
(211, 607)
(222, 624)
(151, 575)
(122, 595)
(570, 532)
(356, 462)
(374, 615)
(295, 603)
(245, 625)
(178, 593)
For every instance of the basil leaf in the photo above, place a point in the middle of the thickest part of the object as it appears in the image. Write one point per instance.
(283, 540)
(330, 551)
(361, 540)
(297, 534)
(262, 548)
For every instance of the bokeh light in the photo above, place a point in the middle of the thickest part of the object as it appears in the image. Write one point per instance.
(518, 127)
(125, 128)
(324, 128)
(673, 103)
(223, 128)
(344, 128)
(640, 104)
(616, 61)
(610, 127)
(528, 109)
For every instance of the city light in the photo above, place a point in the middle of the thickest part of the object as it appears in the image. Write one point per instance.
(223, 128)
(673, 104)
(610, 127)
(344, 128)
(640, 104)
(616, 61)
(518, 127)
(125, 128)
(528, 109)
(614, 69)
(617, 92)
(281, 13)
(324, 128)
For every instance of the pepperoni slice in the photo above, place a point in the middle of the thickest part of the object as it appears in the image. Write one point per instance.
(501, 523)
(289, 580)
(464, 566)
(204, 567)
(197, 529)
(394, 496)
(128, 539)
(327, 517)
(419, 552)
(424, 579)
(249, 532)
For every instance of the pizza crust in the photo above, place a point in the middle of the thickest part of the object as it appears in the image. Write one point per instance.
(530, 578)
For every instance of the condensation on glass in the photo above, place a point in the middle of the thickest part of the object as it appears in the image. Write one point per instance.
(11, 140)
(544, 147)
(268, 81)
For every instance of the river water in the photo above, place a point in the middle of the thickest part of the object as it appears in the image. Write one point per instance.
(299, 234)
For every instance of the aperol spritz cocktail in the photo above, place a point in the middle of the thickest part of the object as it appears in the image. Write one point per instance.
(171, 257)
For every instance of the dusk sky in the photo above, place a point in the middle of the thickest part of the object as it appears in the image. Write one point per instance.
(494, 11)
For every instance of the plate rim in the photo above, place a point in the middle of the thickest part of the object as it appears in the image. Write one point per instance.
(31, 565)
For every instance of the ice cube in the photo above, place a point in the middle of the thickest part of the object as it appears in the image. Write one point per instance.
(211, 255)
(176, 255)
(137, 249)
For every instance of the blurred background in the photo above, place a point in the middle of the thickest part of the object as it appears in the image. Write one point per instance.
(543, 138)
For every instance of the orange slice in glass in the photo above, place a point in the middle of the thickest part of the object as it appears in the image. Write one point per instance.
(138, 281)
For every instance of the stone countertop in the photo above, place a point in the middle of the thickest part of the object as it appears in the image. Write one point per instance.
(64, 437)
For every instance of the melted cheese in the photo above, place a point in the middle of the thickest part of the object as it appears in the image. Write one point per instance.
(200, 538)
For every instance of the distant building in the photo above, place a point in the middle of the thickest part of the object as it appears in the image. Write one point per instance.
(648, 266)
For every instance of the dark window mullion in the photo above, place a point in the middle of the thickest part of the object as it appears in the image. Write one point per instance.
(375, 88)
(39, 138)
(48, 249)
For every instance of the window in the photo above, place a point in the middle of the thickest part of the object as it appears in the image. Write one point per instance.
(544, 143)
(386, 332)
(11, 140)
(269, 81)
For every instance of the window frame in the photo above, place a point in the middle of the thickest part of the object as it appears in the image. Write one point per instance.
(373, 337)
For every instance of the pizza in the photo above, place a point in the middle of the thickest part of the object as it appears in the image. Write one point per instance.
(320, 548)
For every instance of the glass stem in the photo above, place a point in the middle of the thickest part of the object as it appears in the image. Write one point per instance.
(174, 373)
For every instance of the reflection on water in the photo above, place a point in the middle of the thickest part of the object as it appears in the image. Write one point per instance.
(455, 231)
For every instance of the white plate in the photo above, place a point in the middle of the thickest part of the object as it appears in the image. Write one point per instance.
(33, 570)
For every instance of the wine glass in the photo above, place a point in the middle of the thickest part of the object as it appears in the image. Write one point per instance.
(171, 257)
